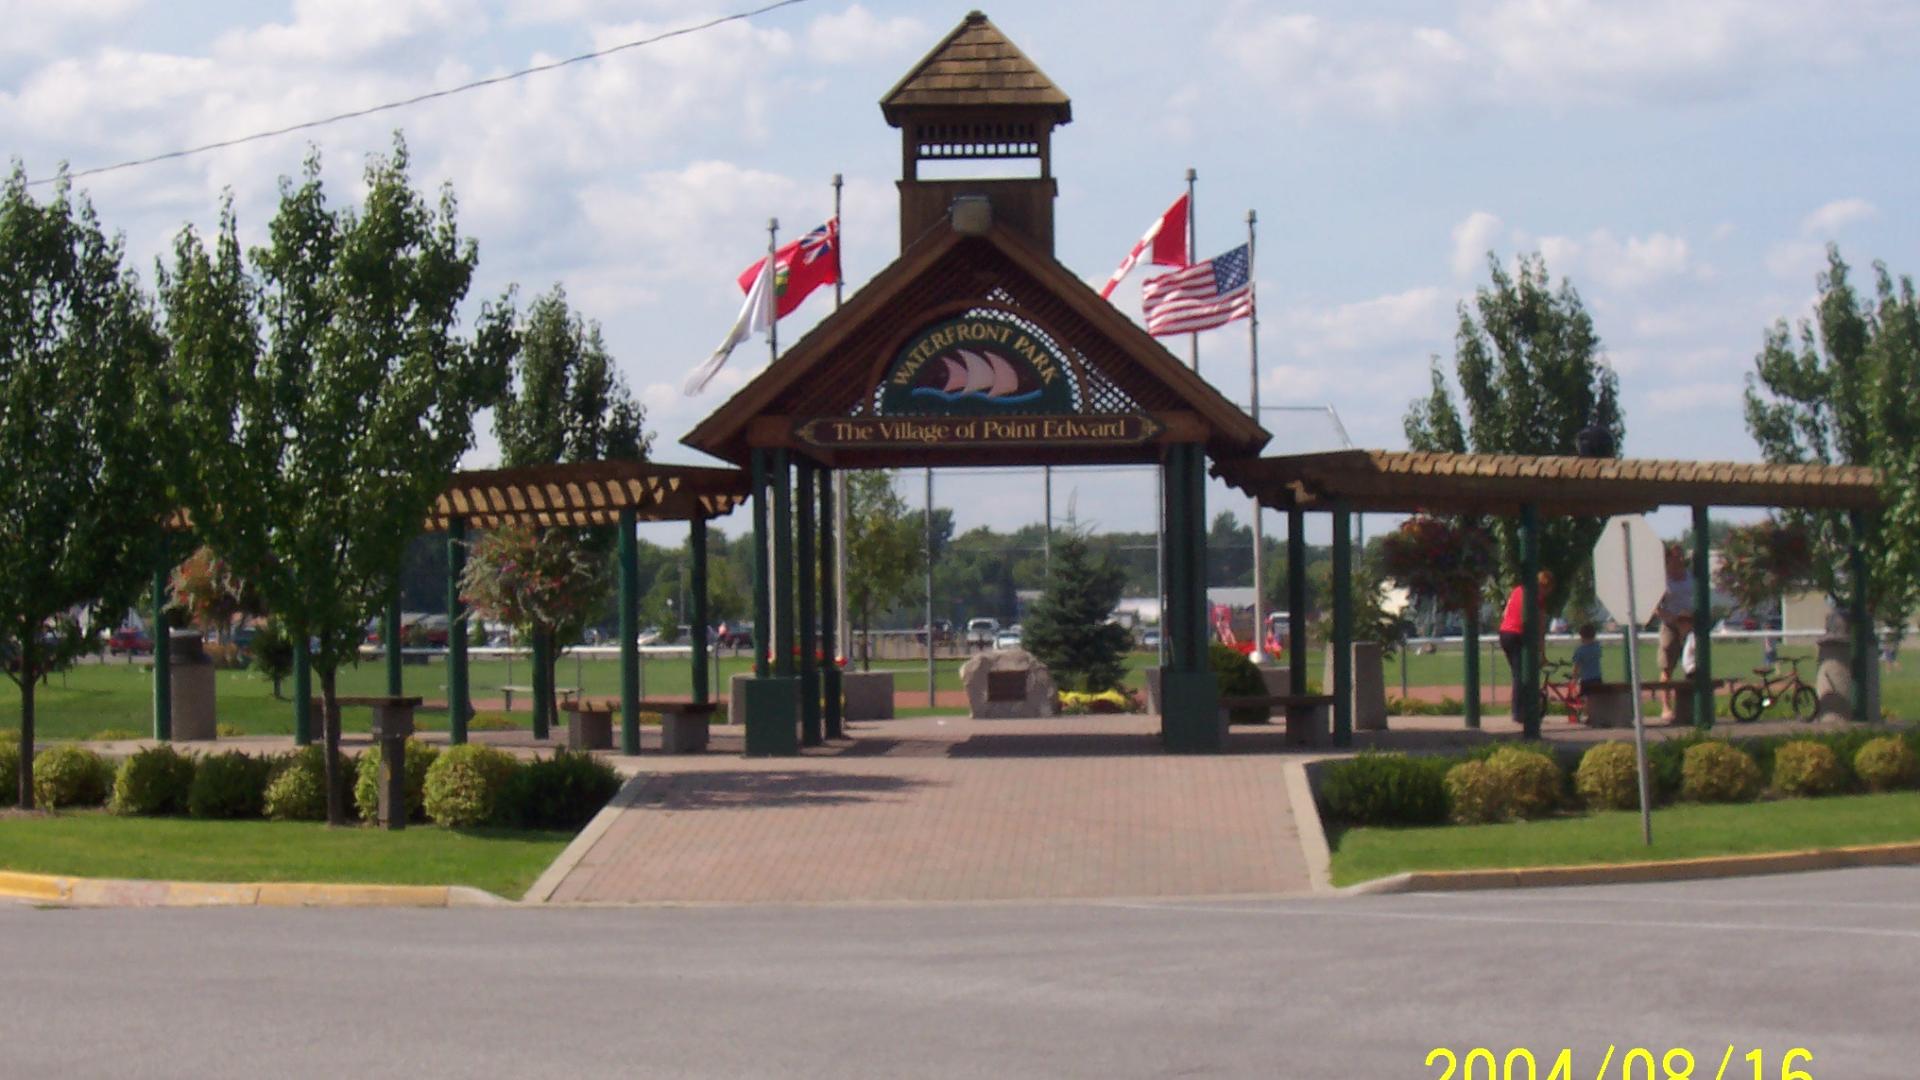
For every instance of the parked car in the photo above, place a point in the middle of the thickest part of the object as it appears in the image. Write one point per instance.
(1150, 639)
(734, 635)
(942, 632)
(1007, 639)
(982, 632)
(129, 640)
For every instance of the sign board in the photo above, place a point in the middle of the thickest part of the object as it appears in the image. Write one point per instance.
(881, 432)
(987, 362)
(1624, 536)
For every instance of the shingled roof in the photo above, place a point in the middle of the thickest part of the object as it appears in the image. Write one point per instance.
(975, 65)
(1413, 481)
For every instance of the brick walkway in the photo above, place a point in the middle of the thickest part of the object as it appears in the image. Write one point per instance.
(953, 809)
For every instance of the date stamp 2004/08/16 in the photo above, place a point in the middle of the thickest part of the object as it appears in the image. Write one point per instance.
(1636, 1063)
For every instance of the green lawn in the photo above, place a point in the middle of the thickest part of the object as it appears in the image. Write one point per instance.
(93, 843)
(1681, 831)
(117, 696)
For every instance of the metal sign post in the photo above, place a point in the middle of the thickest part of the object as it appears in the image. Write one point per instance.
(1614, 582)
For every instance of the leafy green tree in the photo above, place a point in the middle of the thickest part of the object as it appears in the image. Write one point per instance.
(1068, 629)
(565, 403)
(331, 396)
(273, 653)
(886, 549)
(1845, 390)
(1530, 371)
(83, 432)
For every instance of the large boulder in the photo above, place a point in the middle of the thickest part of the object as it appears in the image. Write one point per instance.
(1007, 684)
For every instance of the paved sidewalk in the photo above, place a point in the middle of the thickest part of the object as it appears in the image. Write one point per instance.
(954, 809)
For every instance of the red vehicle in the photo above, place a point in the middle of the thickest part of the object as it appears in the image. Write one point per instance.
(129, 640)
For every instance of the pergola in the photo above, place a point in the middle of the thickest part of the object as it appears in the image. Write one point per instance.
(596, 494)
(1342, 483)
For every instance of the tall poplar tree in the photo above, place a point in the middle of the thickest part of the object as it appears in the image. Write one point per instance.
(84, 436)
(331, 395)
(1530, 370)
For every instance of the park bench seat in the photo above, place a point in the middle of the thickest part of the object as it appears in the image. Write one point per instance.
(563, 694)
(684, 725)
(590, 723)
(1305, 714)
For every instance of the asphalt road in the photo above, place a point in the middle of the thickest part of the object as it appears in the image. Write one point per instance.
(1362, 987)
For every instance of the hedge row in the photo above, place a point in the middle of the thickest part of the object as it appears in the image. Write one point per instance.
(1505, 782)
(460, 787)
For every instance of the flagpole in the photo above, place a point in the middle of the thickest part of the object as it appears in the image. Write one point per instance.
(1193, 248)
(845, 634)
(773, 331)
(780, 572)
(1253, 409)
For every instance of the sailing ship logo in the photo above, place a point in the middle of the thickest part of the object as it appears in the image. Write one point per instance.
(977, 376)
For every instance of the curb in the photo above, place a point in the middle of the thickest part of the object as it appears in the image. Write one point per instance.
(570, 858)
(131, 893)
(1721, 866)
(1312, 833)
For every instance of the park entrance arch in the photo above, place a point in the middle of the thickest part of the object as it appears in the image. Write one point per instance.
(974, 347)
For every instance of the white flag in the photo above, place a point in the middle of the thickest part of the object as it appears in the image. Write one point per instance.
(756, 317)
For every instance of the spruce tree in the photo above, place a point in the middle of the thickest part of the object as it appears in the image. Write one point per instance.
(1068, 628)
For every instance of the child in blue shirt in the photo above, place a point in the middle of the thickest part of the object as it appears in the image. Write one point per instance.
(1586, 658)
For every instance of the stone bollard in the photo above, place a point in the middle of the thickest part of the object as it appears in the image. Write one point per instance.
(192, 687)
(1834, 681)
(392, 723)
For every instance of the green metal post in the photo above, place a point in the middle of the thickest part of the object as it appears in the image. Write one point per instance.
(1527, 709)
(810, 732)
(459, 681)
(162, 654)
(629, 636)
(829, 615)
(783, 563)
(1174, 622)
(390, 634)
(302, 691)
(1296, 600)
(762, 607)
(1342, 689)
(1470, 640)
(697, 605)
(1702, 622)
(1197, 524)
(542, 684)
(1860, 617)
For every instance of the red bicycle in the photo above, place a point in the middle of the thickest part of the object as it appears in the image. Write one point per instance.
(1559, 683)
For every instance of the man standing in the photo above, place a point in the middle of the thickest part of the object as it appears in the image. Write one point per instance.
(1513, 629)
(1675, 605)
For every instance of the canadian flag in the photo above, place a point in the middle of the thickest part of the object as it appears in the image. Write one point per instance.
(1167, 238)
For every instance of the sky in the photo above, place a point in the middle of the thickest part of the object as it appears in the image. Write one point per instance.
(1682, 162)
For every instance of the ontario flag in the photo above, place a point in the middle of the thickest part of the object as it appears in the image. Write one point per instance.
(800, 267)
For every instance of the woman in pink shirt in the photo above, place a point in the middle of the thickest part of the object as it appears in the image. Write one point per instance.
(1513, 627)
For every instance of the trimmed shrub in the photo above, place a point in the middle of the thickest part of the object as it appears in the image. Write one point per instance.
(1529, 780)
(9, 770)
(1666, 764)
(1807, 768)
(1386, 789)
(1474, 795)
(1608, 777)
(1238, 678)
(70, 775)
(114, 735)
(154, 781)
(489, 722)
(560, 792)
(463, 786)
(1715, 771)
(229, 785)
(297, 790)
(1883, 764)
(366, 784)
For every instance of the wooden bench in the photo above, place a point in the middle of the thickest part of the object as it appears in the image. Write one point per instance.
(1305, 714)
(590, 723)
(683, 724)
(562, 694)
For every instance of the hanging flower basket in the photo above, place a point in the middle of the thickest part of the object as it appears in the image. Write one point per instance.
(1438, 560)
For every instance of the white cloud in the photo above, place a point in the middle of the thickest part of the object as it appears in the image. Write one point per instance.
(1837, 215)
(857, 34)
(1419, 315)
(33, 26)
(1691, 397)
(1472, 239)
(1558, 51)
(1632, 263)
(330, 31)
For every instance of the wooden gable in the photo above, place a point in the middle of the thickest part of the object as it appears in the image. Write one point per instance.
(1116, 368)
(976, 66)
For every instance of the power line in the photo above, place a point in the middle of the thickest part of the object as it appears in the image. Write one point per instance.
(429, 96)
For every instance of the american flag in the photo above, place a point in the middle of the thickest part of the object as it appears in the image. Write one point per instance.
(1201, 297)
